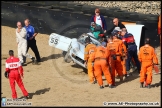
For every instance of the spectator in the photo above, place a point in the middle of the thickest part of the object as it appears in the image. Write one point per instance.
(96, 30)
(22, 43)
(99, 19)
(116, 23)
(31, 34)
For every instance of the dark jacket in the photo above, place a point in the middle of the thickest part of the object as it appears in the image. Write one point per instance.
(96, 31)
(119, 25)
(93, 18)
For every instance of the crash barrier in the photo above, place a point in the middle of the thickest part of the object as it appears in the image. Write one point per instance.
(60, 18)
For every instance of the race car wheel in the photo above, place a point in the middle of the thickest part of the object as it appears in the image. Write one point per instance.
(64, 53)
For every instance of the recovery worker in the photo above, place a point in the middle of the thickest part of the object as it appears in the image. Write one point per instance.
(100, 58)
(123, 50)
(148, 58)
(14, 72)
(131, 46)
(115, 50)
(89, 50)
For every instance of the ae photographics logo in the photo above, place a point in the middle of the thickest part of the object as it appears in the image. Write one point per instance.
(15, 102)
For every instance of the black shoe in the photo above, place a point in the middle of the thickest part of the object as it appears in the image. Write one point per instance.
(37, 63)
(101, 87)
(148, 86)
(23, 64)
(107, 85)
(38, 60)
(125, 76)
(141, 85)
(94, 82)
(111, 86)
(33, 59)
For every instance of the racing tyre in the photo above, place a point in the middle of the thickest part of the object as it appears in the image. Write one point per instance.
(64, 53)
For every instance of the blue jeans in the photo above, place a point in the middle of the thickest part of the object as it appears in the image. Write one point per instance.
(132, 52)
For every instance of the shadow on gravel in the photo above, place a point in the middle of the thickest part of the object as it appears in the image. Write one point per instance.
(80, 67)
(53, 56)
(38, 92)
(156, 84)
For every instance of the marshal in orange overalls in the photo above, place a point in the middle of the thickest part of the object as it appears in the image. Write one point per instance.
(87, 57)
(100, 58)
(147, 57)
(115, 54)
(124, 53)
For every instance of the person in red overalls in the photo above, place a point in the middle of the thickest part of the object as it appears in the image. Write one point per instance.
(15, 72)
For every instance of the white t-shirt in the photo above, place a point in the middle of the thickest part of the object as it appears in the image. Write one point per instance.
(98, 20)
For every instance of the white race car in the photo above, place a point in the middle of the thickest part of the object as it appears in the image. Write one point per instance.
(73, 49)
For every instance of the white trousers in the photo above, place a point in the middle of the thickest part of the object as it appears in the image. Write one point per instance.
(22, 51)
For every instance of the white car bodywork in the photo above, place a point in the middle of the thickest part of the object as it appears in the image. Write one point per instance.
(75, 47)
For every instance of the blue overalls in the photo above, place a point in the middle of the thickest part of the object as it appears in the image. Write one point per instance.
(131, 51)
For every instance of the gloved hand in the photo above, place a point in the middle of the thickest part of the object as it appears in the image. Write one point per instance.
(6, 74)
(101, 35)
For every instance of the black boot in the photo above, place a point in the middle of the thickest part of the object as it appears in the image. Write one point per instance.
(148, 86)
(111, 86)
(141, 85)
(33, 59)
(101, 87)
(95, 81)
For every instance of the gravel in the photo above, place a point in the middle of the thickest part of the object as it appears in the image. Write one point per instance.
(143, 7)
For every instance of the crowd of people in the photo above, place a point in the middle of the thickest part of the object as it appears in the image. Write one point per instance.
(112, 58)
(117, 51)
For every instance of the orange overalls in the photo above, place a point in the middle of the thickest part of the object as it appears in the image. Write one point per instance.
(159, 28)
(115, 52)
(100, 58)
(147, 57)
(89, 49)
(124, 53)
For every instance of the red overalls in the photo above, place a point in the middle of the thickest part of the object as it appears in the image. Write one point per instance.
(12, 66)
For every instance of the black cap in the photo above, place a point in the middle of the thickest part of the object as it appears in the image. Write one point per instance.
(11, 52)
(147, 41)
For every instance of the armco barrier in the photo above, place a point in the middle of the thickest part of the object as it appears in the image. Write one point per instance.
(55, 20)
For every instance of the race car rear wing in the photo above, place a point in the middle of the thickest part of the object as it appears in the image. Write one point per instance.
(59, 41)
